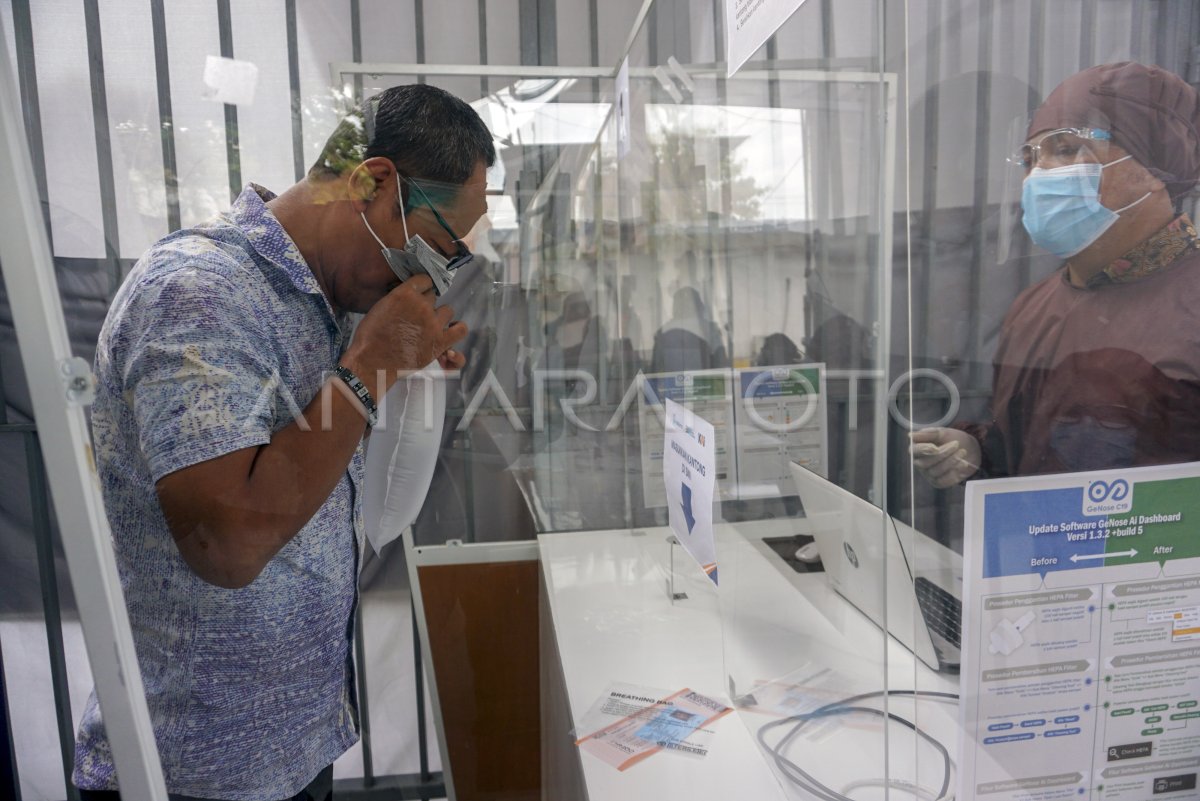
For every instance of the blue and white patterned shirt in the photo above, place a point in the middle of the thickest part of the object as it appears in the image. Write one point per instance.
(218, 335)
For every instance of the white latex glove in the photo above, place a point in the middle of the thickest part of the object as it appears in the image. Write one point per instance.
(946, 456)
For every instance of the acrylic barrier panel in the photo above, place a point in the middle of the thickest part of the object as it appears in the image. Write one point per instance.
(753, 291)
(808, 563)
(1042, 499)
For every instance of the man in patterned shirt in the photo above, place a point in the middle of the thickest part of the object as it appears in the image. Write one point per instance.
(231, 457)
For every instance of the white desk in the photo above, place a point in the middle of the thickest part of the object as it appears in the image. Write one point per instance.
(607, 617)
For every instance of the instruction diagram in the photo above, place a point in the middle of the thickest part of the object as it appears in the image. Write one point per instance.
(1081, 637)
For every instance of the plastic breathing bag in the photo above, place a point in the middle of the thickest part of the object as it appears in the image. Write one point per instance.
(402, 453)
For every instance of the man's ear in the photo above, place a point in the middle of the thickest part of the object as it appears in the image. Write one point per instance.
(368, 178)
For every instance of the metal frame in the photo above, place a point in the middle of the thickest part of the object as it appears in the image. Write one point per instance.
(339, 69)
(453, 553)
(59, 388)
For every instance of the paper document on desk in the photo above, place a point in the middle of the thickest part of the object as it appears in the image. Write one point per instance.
(689, 472)
(629, 724)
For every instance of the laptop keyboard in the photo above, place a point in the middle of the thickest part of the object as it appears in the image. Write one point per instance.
(941, 610)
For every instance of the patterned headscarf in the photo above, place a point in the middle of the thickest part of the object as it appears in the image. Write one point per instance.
(1152, 114)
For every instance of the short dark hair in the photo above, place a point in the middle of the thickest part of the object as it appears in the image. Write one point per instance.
(425, 131)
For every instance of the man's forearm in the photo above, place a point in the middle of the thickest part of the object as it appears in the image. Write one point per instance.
(231, 515)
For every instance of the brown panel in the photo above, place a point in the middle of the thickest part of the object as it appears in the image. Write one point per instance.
(483, 636)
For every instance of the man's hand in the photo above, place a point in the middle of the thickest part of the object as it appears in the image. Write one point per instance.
(404, 332)
(230, 515)
(946, 456)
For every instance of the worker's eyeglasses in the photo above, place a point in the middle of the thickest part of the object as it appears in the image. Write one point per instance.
(1062, 147)
(463, 254)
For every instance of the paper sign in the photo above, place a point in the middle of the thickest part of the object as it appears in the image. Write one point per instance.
(749, 24)
(623, 128)
(227, 80)
(1081, 665)
(689, 473)
(708, 393)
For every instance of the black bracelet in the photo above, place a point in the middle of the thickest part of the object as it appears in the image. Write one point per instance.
(361, 392)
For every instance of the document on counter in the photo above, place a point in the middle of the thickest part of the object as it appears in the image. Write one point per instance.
(1081, 637)
(628, 724)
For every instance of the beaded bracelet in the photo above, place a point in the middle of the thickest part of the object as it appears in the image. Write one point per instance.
(360, 391)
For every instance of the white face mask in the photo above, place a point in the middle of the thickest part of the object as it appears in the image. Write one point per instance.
(417, 257)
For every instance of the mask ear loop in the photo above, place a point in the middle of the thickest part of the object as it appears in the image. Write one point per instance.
(372, 230)
(403, 217)
(1134, 203)
(364, 219)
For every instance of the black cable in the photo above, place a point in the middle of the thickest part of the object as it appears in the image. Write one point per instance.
(795, 774)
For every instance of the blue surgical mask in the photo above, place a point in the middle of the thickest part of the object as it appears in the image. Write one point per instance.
(416, 258)
(1063, 212)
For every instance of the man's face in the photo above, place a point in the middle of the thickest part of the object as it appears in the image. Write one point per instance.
(365, 277)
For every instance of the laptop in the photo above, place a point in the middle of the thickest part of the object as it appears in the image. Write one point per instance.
(922, 574)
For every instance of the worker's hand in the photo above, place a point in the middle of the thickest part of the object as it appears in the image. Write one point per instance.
(946, 456)
(404, 332)
(452, 360)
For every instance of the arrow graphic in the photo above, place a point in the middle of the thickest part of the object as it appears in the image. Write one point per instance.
(1132, 552)
(688, 514)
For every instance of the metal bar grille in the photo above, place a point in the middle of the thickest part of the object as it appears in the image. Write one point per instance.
(166, 119)
(293, 58)
(104, 158)
(923, 279)
(232, 148)
(43, 535)
(356, 47)
(1087, 33)
(484, 89)
(31, 103)
(983, 114)
(364, 712)
(419, 32)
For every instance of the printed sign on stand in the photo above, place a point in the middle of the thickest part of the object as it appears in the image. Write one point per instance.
(1081, 621)
(689, 473)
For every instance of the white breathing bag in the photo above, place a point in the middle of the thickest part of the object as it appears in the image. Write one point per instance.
(401, 454)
